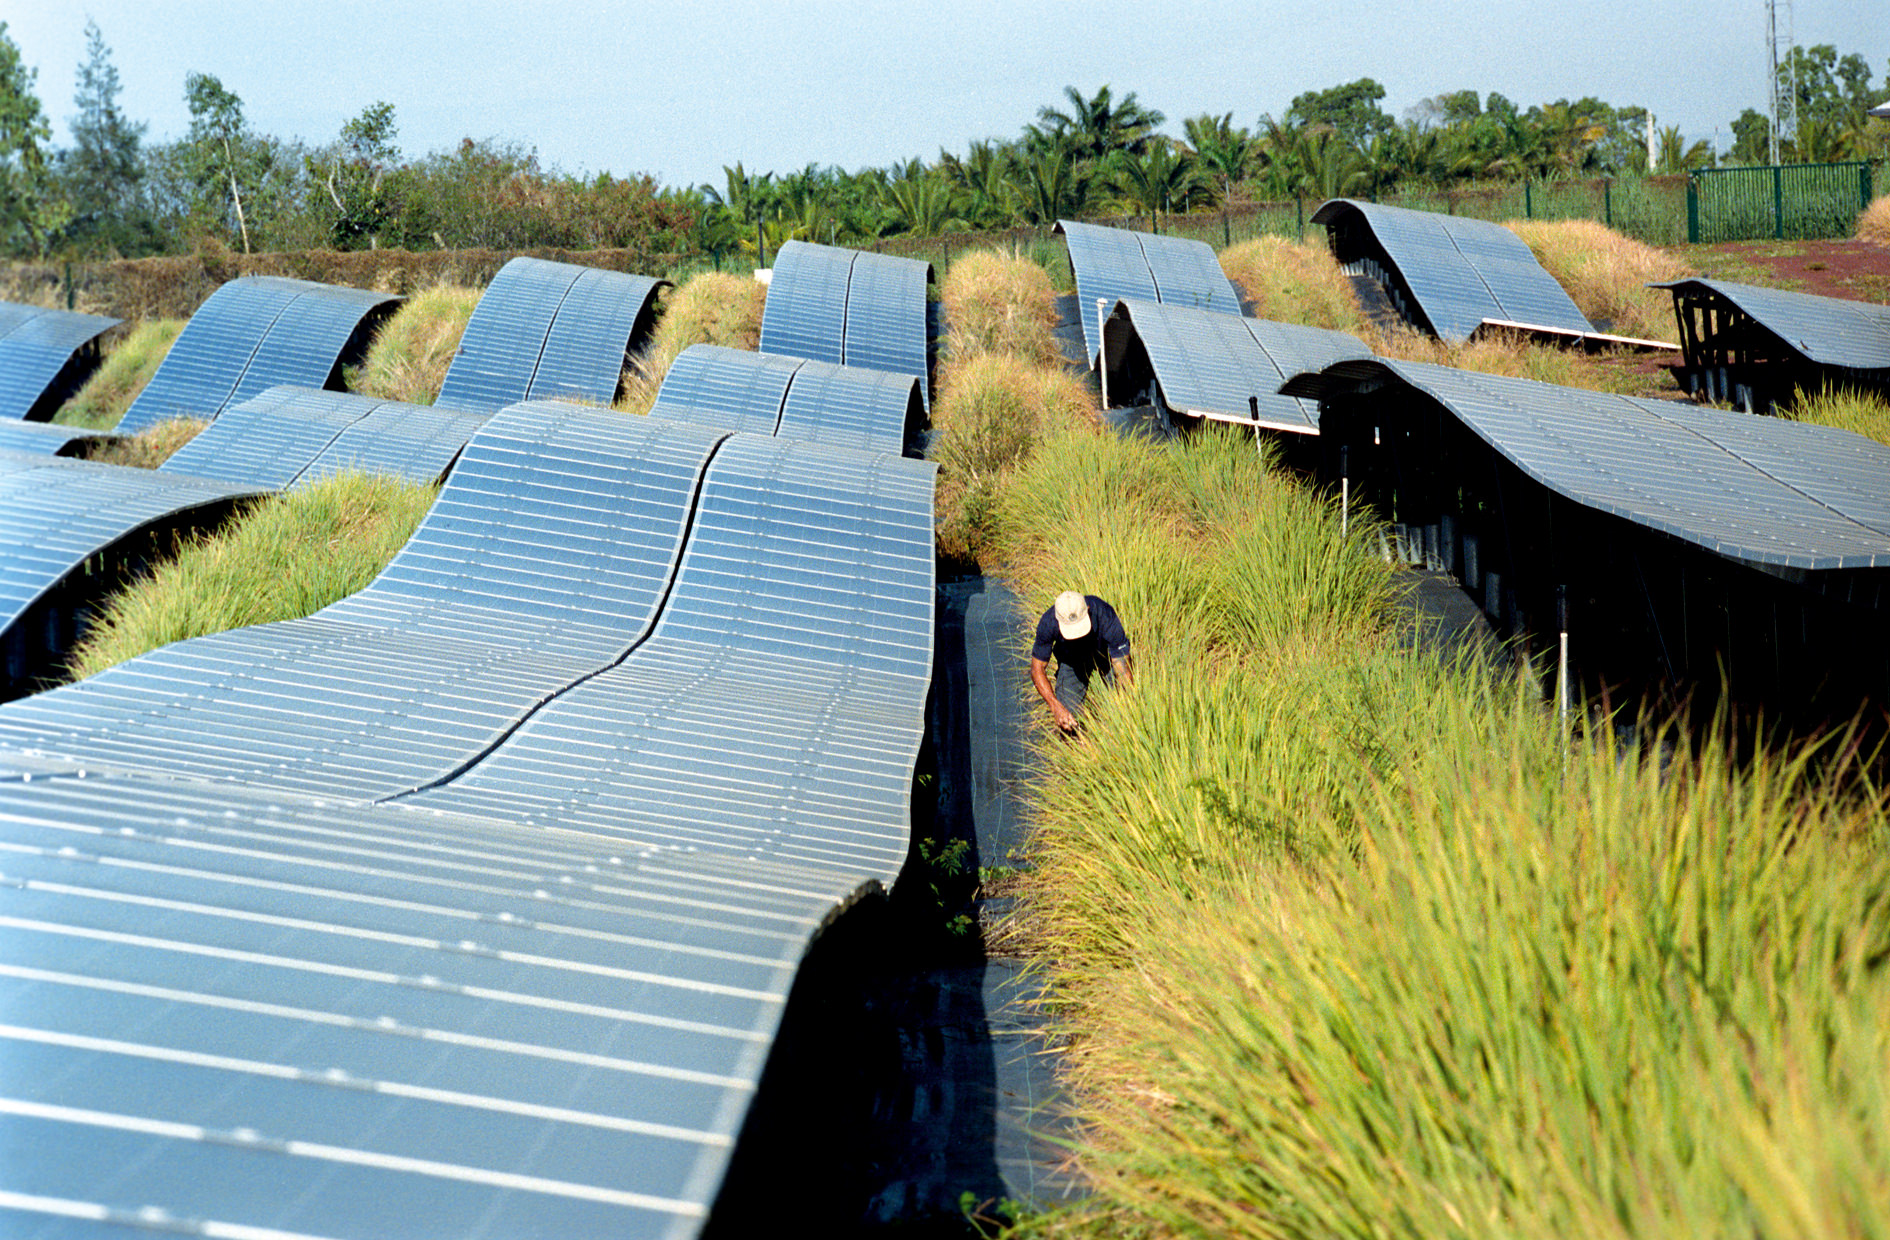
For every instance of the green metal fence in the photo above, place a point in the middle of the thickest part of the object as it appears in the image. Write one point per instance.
(1797, 201)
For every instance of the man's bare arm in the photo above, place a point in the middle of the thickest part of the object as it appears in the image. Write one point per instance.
(1125, 668)
(1058, 711)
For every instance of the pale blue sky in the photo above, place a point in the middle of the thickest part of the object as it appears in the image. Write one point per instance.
(679, 89)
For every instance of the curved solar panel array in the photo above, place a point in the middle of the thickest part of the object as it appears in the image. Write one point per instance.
(254, 333)
(57, 516)
(289, 437)
(1111, 264)
(284, 956)
(546, 331)
(1760, 490)
(736, 390)
(1459, 272)
(848, 307)
(1227, 367)
(1827, 330)
(44, 438)
(45, 356)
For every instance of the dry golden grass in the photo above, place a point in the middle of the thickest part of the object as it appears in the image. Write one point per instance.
(1606, 274)
(121, 376)
(991, 411)
(414, 347)
(999, 303)
(1874, 223)
(712, 308)
(1294, 282)
(150, 447)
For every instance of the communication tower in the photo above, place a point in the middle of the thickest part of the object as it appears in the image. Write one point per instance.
(1779, 44)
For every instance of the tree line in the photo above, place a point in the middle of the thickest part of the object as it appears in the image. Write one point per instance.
(114, 194)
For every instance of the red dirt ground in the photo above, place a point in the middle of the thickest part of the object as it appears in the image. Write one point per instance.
(1859, 270)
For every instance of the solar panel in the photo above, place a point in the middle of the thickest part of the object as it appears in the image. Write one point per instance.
(1230, 368)
(1187, 273)
(1830, 331)
(1459, 271)
(544, 558)
(594, 329)
(253, 333)
(885, 324)
(57, 514)
(44, 438)
(805, 314)
(1759, 490)
(499, 350)
(289, 437)
(804, 595)
(233, 1012)
(730, 389)
(1109, 266)
(852, 407)
(44, 357)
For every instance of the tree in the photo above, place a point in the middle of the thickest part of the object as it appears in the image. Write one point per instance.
(31, 206)
(1097, 126)
(1350, 110)
(1158, 180)
(218, 141)
(353, 171)
(104, 171)
(1751, 138)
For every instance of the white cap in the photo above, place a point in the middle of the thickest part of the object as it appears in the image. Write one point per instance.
(1072, 615)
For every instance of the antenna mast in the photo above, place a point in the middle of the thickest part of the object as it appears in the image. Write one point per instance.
(1784, 89)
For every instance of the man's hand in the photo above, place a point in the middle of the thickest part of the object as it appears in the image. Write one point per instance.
(1066, 722)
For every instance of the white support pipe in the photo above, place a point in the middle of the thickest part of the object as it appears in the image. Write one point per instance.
(1102, 351)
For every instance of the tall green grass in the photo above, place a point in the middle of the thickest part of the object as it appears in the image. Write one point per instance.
(1846, 408)
(411, 351)
(711, 308)
(121, 376)
(1351, 941)
(287, 556)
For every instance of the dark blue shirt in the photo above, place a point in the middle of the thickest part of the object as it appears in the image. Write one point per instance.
(1094, 650)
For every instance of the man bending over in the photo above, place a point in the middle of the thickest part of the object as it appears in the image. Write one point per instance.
(1085, 636)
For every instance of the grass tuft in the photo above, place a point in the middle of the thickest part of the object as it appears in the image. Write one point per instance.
(997, 303)
(711, 308)
(990, 413)
(1874, 223)
(121, 376)
(1606, 274)
(150, 447)
(1866, 413)
(413, 349)
(287, 556)
(1294, 282)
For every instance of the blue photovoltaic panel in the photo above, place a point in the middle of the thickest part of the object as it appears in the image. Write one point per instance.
(499, 350)
(1186, 273)
(239, 1015)
(43, 438)
(415, 442)
(1459, 271)
(269, 439)
(806, 311)
(56, 513)
(1827, 330)
(1230, 368)
(1761, 490)
(543, 560)
(1109, 265)
(252, 333)
(730, 389)
(805, 595)
(289, 437)
(886, 327)
(44, 356)
(588, 338)
(305, 344)
(852, 407)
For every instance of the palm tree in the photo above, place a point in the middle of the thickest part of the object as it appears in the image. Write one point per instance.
(1050, 185)
(923, 203)
(1224, 150)
(1100, 125)
(1161, 177)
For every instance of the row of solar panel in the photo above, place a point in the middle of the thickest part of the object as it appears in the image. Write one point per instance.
(45, 355)
(285, 959)
(1762, 491)
(850, 307)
